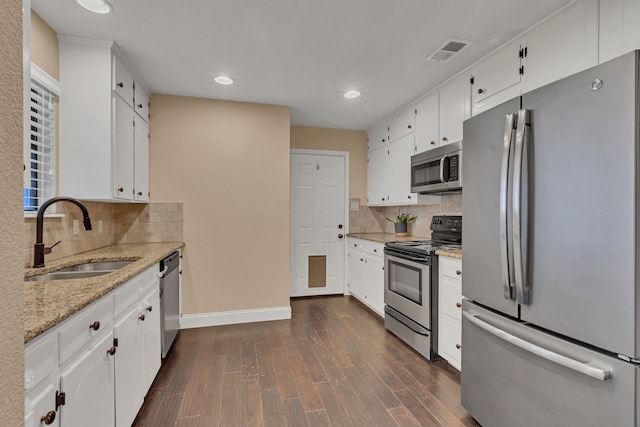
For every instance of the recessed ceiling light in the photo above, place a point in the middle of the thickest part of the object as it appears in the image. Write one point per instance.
(96, 6)
(224, 80)
(352, 94)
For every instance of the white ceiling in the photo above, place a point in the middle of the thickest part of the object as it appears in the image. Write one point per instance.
(300, 53)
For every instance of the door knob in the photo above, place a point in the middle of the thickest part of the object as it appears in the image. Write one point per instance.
(340, 236)
(49, 418)
(340, 226)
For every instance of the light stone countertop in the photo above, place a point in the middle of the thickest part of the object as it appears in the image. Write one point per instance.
(384, 237)
(47, 303)
(453, 253)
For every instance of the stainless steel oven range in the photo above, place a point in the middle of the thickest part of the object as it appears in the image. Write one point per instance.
(411, 284)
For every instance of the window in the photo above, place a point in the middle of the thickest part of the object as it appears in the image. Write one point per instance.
(39, 150)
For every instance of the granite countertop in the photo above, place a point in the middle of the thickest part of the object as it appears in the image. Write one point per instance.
(453, 253)
(385, 237)
(47, 303)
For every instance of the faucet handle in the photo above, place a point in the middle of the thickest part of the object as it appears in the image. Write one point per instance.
(48, 250)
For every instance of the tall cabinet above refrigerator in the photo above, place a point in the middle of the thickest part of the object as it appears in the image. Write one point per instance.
(551, 324)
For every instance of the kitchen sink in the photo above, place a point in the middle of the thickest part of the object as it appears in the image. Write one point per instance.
(108, 266)
(63, 275)
(81, 271)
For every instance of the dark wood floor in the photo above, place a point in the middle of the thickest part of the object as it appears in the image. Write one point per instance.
(333, 363)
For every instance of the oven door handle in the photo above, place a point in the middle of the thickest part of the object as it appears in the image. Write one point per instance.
(410, 258)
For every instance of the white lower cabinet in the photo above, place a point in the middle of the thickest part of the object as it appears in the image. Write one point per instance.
(129, 393)
(151, 339)
(366, 273)
(95, 368)
(87, 385)
(450, 310)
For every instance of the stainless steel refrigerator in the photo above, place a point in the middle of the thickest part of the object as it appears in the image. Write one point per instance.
(551, 320)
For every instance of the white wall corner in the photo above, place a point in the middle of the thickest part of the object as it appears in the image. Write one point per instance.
(203, 320)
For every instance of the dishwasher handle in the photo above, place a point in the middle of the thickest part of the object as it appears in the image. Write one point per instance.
(162, 273)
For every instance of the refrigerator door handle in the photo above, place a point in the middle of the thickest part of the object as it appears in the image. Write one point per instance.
(522, 131)
(504, 176)
(575, 365)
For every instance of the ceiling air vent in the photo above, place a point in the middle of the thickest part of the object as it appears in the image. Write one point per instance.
(447, 50)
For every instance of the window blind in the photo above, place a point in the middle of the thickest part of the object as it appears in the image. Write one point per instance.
(40, 169)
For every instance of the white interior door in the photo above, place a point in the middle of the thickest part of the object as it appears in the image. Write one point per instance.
(318, 223)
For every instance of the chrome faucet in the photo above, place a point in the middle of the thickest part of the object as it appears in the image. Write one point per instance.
(39, 249)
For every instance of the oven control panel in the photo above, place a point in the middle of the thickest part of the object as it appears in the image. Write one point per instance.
(446, 223)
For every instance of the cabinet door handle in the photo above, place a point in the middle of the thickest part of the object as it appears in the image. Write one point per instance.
(444, 138)
(120, 84)
(120, 190)
(139, 193)
(458, 305)
(141, 317)
(458, 346)
(480, 91)
(409, 126)
(375, 250)
(95, 325)
(340, 236)
(433, 143)
(140, 106)
(458, 272)
(409, 196)
(111, 351)
(49, 418)
(150, 308)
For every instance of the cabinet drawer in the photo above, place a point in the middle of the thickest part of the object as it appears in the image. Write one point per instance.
(125, 296)
(450, 297)
(80, 329)
(148, 279)
(450, 340)
(373, 248)
(39, 360)
(451, 267)
(122, 81)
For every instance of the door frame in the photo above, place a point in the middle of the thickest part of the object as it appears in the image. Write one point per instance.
(312, 152)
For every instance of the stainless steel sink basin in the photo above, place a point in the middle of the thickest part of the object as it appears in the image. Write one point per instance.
(80, 271)
(62, 275)
(97, 266)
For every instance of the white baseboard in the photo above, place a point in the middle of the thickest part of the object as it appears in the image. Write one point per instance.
(203, 320)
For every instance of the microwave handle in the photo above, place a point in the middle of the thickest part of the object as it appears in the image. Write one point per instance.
(446, 156)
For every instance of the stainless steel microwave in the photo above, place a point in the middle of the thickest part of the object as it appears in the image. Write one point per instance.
(437, 171)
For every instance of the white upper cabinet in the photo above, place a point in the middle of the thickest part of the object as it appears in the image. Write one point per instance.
(455, 108)
(497, 78)
(141, 101)
(122, 81)
(401, 124)
(377, 172)
(378, 136)
(100, 155)
(427, 119)
(565, 44)
(400, 152)
(619, 28)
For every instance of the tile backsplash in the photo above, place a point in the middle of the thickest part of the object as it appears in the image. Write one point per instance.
(372, 219)
(121, 223)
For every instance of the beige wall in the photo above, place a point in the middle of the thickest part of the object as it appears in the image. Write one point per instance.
(228, 162)
(353, 141)
(44, 46)
(11, 298)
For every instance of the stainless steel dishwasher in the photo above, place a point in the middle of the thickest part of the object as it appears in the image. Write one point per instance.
(169, 300)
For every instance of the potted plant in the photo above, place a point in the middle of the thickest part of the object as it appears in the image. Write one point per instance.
(400, 223)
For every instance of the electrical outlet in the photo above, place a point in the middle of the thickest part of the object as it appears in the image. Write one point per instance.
(76, 226)
(100, 226)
